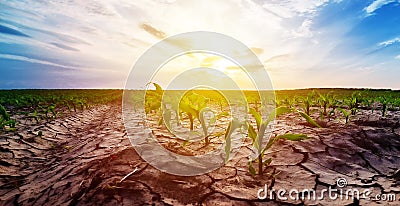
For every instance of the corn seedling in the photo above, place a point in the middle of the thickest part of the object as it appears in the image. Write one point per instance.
(35, 116)
(191, 104)
(353, 102)
(278, 102)
(307, 102)
(232, 126)
(5, 120)
(396, 104)
(324, 101)
(153, 99)
(52, 103)
(369, 104)
(204, 125)
(333, 104)
(346, 114)
(384, 102)
(4, 114)
(289, 102)
(253, 100)
(258, 135)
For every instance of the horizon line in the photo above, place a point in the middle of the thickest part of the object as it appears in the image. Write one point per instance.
(278, 89)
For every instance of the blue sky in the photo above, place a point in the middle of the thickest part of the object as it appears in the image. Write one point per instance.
(303, 44)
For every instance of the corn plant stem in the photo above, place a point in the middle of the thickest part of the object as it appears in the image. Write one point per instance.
(191, 122)
(260, 165)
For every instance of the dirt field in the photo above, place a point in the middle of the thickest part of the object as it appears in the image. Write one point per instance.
(81, 160)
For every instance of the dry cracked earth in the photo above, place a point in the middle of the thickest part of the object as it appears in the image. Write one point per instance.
(81, 160)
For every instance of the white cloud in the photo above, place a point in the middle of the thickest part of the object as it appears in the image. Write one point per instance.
(37, 61)
(389, 42)
(304, 30)
(292, 8)
(397, 57)
(376, 5)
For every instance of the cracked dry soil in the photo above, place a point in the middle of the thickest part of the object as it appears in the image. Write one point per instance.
(81, 159)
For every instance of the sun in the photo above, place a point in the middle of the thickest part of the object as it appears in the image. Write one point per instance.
(219, 63)
(224, 69)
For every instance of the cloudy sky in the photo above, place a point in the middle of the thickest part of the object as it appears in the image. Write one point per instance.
(304, 43)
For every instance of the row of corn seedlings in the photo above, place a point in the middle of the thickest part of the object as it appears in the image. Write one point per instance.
(46, 105)
(327, 105)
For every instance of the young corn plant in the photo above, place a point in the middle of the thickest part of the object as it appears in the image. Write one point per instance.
(323, 101)
(153, 103)
(82, 104)
(384, 102)
(51, 109)
(137, 100)
(153, 99)
(4, 114)
(309, 119)
(278, 102)
(289, 102)
(304, 115)
(396, 103)
(254, 100)
(204, 124)
(308, 102)
(353, 102)
(194, 106)
(5, 120)
(346, 114)
(221, 102)
(257, 136)
(232, 126)
(35, 116)
(369, 103)
(333, 104)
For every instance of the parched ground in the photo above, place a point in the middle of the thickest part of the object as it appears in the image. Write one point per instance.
(81, 160)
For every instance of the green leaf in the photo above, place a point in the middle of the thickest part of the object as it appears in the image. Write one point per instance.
(260, 136)
(202, 120)
(278, 111)
(233, 125)
(252, 170)
(267, 161)
(228, 142)
(309, 119)
(253, 135)
(159, 89)
(185, 142)
(251, 132)
(223, 114)
(187, 108)
(213, 120)
(282, 110)
(293, 137)
(167, 118)
(344, 112)
(271, 142)
(3, 113)
(256, 116)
